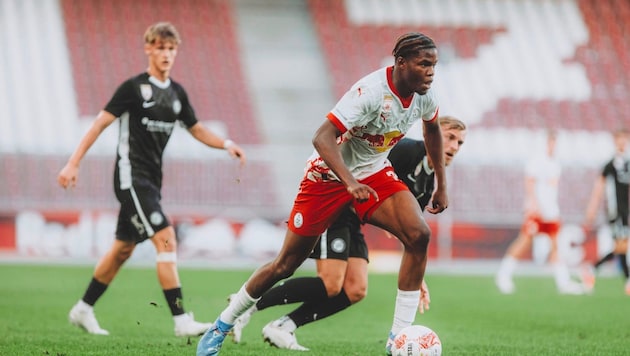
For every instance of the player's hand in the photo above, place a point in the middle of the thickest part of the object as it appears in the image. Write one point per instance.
(425, 298)
(361, 192)
(439, 202)
(236, 151)
(68, 176)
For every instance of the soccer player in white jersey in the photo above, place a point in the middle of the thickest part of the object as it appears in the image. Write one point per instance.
(542, 216)
(148, 106)
(350, 167)
(341, 255)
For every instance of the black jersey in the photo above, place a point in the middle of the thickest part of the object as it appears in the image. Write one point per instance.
(410, 161)
(148, 110)
(617, 175)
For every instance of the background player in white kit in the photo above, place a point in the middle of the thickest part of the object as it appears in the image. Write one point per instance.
(542, 216)
(148, 106)
(350, 167)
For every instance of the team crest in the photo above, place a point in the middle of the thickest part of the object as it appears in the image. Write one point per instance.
(298, 220)
(156, 218)
(338, 245)
(388, 100)
(146, 91)
(177, 107)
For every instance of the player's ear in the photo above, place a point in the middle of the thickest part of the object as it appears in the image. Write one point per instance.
(147, 48)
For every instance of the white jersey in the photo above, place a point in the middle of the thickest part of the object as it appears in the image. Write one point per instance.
(372, 119)
(546, 172)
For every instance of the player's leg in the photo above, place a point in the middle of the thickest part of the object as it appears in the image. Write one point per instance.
(82, 313)
(515, 251)
(341, 240)
(294, 251)
(165, 245)
(400, 214)
(314, 209)
(627, 245)
(293, 290)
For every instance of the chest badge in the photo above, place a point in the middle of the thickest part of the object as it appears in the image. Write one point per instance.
(146, 91)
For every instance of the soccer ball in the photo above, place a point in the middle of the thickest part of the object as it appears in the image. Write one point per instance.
(417, 340)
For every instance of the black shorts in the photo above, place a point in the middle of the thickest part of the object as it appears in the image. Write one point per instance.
(342, 239)
(140, 215)
(619, 228)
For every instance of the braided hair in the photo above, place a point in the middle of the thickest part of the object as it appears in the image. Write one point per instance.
(411, 44)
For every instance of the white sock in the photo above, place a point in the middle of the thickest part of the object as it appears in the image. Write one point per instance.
(238, 305)
(507, 266)
(405, 311)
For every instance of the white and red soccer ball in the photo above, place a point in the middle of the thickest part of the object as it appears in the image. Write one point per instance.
(417, 340)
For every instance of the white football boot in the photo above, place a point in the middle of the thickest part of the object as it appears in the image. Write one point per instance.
(185, 325)
(505, 284)
(277, 334)
(82, 315)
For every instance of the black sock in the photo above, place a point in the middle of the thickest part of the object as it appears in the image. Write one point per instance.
(309, 312)
(174, 300)
(302, 289)
(604, 259)
(94, 291)
(624, 265)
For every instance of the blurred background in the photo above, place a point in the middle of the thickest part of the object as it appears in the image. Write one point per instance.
(265, 73)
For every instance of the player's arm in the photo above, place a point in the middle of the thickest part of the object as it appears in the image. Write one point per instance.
(325, 142)
(531, 203)
(593, 203)
(67, 177)
(210, 139)
(435, 151)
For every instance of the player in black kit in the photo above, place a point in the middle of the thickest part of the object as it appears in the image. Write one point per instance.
(148, 106)
(342, 253)
(614, 182)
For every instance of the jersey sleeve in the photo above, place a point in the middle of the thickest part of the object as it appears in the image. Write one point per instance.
(356, 107)
(187, 115)
(122, 100)
(430, 107)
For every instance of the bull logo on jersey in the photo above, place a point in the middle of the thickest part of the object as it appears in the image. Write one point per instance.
(382, 143)
(146, 91)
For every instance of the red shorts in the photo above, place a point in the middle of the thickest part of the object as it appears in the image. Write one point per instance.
(318, 204)
(535, 225)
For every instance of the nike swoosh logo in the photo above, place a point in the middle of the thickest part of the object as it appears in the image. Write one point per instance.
(148, 104)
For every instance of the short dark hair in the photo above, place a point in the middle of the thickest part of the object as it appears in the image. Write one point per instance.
(410, 44)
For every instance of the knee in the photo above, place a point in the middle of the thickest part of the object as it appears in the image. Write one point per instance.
(123, 254)
(333, 286)
(419, 237)
(356, 293)
(164, 240)
(282, 269)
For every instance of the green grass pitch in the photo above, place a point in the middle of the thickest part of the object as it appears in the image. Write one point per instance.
(467, 312)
